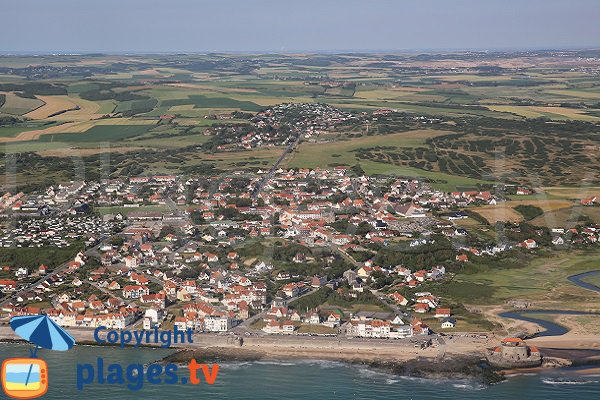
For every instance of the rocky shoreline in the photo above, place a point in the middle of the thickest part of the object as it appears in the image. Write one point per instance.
(454, 367)
(463, 366)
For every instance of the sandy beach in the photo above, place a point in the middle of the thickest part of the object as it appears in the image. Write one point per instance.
(319, 347)
(359, 350)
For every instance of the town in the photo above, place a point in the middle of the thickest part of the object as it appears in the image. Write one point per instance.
(310, 252)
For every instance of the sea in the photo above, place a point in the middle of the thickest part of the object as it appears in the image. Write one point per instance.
(296, 379)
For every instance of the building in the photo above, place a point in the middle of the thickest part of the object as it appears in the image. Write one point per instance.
(514, 353)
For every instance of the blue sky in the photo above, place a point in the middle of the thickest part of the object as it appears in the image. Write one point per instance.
(301, 25)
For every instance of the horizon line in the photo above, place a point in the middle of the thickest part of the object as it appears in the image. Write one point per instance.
(299, 51)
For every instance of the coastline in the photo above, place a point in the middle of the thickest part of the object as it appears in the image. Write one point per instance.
(460, 357)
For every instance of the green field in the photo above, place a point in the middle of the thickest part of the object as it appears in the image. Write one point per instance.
(200, 101)
(543, 280)
(17, 105)
(100, 133)
(483, 113)
(343, 152)
(593, 279)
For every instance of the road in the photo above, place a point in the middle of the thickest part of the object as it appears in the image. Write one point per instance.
(245, 325)
(345, 255)
(269, 175)
(172, 206)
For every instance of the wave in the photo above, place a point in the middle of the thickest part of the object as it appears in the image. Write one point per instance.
(520, 374)
(278, 363)
(559, 381)
(235, 366)
(391, 378)
(468, 386)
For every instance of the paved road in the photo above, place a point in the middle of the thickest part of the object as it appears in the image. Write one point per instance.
(345, 255)
(172, 206)
(245, 325)
(269, 175)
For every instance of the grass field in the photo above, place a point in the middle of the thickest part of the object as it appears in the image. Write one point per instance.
(569, 216)
(556, 113)
(593, 279)
(100, 133)
(143, 88)
(17, 105)
(505, 211)
(342, 152)
(543, 281)
(52, 105)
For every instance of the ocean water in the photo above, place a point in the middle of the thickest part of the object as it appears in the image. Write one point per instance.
(296, 379)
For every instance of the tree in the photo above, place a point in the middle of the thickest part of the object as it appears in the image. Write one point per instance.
(197, 217)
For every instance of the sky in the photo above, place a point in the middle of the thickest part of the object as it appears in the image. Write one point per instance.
(299, 25)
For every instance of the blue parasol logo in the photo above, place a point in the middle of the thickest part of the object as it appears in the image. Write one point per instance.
(44, 333)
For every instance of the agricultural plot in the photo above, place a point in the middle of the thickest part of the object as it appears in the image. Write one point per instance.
(17, 105)
(557, 113)
(509, 211)
(53, 105)
(100, 133)
(488, 111)
(569, 216)
(200, 101)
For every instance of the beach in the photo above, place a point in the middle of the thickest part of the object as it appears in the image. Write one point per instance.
(462, 353)
(322, 347)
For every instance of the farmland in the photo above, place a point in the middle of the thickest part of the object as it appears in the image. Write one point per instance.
(456, 117)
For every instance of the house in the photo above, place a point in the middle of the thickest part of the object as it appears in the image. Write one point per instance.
(295, 316)
(318, 281)
(131, 262)
(135, 291)
(312, 318)
(8, 284)
(21, 273)
(287, 327)
(364, 272)
(333, 320)
(419, 327)
(374, 328)
(442, 312)
(528, 244)
(398, 298)
(590, 201)
(421, 308)
(462, 258)
(448, 322)
(272, 327)
(277, 312)
(358, 287)
(212, 257)
(410, 211)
